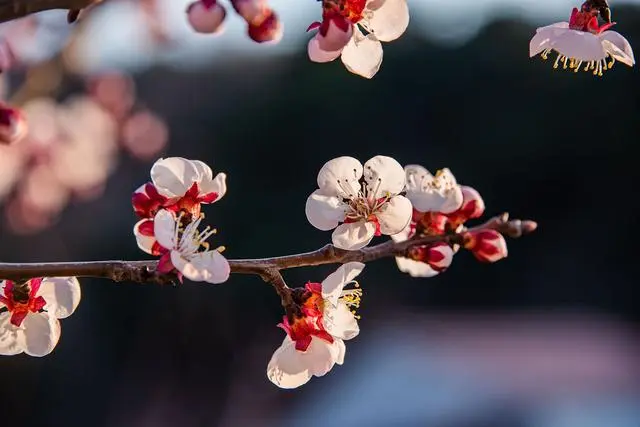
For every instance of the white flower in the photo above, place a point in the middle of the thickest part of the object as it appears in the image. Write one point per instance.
(176, 177)
(365, 200)
(315, 340)
(582, 41)
(379, 21)
(428, 193)
(30, 323)
(183, 253)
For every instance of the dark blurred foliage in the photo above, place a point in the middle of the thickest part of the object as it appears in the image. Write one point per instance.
(547, 145)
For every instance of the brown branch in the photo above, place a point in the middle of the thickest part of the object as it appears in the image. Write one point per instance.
(13, 9)
(267, 268)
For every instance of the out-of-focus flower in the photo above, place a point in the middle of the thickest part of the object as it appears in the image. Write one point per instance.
(206, 16)
(367, 22)
(582, 41)
(316, 329)
(181, 249)
(13, 126)
(30, 323)
(486, 245)
(359, 202)
(144, 134)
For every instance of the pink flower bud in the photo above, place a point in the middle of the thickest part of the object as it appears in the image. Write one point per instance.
(206, 16)
(269, 29)
(486, 245)
(472, 207)
(13, 126)
(438, 255)
(251, 10)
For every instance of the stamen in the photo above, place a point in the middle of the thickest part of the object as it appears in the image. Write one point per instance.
(351, 298)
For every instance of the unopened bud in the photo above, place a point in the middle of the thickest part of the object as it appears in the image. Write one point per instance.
(472, 207)
(268, 29)
(13, 126)
(206, 16)
(486, 245)
(438, 255)
(251, 10)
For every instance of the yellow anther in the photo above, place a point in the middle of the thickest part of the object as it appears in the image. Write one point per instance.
(221, 249)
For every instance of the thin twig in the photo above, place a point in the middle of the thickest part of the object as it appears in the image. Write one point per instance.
(267, 268)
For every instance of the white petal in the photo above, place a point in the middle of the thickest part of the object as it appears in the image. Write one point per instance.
(62, 295)
(144, 242)
(340, 322)
(320, 356)
(579, 45)
(363, 55)
(339, 177)
(540, 42)
(209, 266)
(316, 54)
(384, 175)
(390, 18)
(286, 368)
(544, 36)
(395, 216)
(334, 283)
(324, 212)
(207, 183)
(353, 236)
(342, 349)
(335, 38)
(164, 229)
(9, 336)
(173, 176)
(428, 193)
(557, 25)
(41, 333)
(618, 47)
(402, 235)
(415, 268)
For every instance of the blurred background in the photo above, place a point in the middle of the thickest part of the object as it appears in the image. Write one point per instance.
(548, 337)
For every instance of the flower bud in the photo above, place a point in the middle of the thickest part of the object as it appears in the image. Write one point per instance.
(438, 255)
(472, 207)
(251, 10)
(432, 223)
(486, 245)
(268, 29)
(13, 126)
(206, 16)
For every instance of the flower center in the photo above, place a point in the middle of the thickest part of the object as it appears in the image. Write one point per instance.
(20, 300)
(189, 240)
(365, 202)
(353, 10)
(352, 298)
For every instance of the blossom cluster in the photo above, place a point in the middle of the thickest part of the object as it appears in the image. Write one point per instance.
(355, 201)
